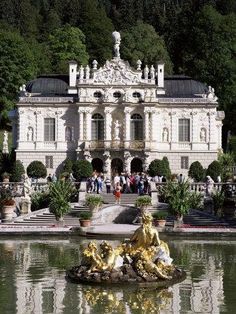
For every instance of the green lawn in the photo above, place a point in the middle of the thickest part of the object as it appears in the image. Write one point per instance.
(9, 140)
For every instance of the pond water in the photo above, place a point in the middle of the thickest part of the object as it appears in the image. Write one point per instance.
(32, 280)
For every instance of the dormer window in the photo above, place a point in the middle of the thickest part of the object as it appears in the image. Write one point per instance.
(97, 94)
(117, 95)
(136, 95)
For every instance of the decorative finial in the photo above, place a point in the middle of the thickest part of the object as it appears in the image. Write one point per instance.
(117, 39)
(139, 63)
(95, 64)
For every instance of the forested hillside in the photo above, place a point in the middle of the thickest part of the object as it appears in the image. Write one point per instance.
(194, 37)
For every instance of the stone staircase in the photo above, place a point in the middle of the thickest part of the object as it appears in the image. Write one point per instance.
(199, 218)
(126, 199)
(45, 218)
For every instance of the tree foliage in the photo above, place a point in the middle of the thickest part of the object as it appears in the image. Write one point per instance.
(159, 167)
(36, 169)
(141, 42)
(17, 171)
(214, 170)
(196, 171)
(82, 169)
(67, 43)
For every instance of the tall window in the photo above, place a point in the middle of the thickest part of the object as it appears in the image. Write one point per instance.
(136, 127)
(184, 130)
(49, 161)
(49, 129)
(184, 162)
(97, 127)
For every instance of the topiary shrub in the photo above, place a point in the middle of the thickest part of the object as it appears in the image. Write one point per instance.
(36, 169)
(82, 169)
(214, 170)
(160, 168)
(166, 168)
(196, 171)
(17, 171)
(67, 165)
(155, 168)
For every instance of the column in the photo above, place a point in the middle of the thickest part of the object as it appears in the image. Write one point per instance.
(154, 124)
(195, 130)
(88, 116)
(59, 131)
(173, 137)
(39, 129)
(146, 124)
(212, 130)
(108, 122)
(81, 124)
(127, 112)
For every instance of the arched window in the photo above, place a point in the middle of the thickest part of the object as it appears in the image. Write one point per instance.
(68, 134)
(97, 127)
(136, 127)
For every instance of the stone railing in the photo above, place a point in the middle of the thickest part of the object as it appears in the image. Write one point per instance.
(202, 187)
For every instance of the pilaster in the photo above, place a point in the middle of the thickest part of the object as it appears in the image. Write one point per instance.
(127, 112)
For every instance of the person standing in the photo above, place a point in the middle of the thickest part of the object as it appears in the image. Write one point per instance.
(117, 193)
(108, 185)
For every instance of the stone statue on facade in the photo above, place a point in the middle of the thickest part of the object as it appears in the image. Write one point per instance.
(30, 134)
(165, 135)
(203, 135)
(5, 149)
(117, 126)
(117, 39)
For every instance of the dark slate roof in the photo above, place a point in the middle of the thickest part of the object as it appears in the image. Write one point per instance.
(183, 86)
(49, 85)
(175, 86)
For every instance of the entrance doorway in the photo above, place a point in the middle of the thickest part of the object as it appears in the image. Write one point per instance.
(97, 164)
(116, 166)
(136, 165)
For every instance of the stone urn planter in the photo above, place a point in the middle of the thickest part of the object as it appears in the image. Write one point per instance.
(7, 213)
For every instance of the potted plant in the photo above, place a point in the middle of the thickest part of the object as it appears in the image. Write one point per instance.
(159, 218)
(85, 219)
(94, 202)
(60, 193)
(178, 196)
(143, 202)
(218, 201)
(7, 204)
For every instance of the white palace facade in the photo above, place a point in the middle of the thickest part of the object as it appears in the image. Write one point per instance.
(117, 117)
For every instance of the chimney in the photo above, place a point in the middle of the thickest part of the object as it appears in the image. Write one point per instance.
(160, 74)
(72, 73)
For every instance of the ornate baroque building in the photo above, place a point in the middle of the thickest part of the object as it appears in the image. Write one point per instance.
(117, 117)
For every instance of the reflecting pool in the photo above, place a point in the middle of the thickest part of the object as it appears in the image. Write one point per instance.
(32, 280)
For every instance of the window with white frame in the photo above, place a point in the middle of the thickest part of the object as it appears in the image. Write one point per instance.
(49, 129)
(184, 162)
(136, 130)
(97, 127)
(184, 130)
(49, 161)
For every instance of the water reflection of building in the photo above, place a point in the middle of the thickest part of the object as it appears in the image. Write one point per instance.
(41, 286)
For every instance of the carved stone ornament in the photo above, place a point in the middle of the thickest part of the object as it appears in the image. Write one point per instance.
(117, 71)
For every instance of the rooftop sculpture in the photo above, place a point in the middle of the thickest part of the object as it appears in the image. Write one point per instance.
(144, 259)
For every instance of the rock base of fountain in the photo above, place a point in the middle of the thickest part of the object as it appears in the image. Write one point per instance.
(125, 274)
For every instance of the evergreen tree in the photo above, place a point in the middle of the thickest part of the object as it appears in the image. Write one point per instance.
(97, 28)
